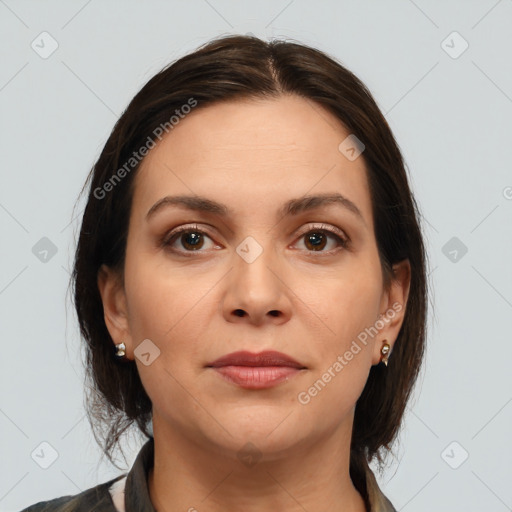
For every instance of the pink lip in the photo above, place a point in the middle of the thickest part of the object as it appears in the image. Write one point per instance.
(256, 371)
(256, 377)
(266, 358)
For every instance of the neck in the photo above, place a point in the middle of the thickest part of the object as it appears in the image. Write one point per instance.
(192, 475)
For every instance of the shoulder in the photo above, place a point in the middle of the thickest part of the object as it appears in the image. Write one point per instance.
(95, 499)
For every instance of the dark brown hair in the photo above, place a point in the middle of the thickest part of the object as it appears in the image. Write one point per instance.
(231, 68)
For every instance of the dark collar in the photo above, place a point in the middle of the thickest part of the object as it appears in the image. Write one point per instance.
(136, 488)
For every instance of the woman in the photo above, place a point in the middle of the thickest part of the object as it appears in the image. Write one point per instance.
(250, 283)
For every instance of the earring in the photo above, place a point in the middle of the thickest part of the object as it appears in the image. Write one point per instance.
(385, 350)
(120, 350)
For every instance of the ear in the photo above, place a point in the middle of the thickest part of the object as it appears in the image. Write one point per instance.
(392, 308)
(115, 309)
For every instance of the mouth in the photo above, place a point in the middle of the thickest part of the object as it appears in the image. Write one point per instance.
(256, 371)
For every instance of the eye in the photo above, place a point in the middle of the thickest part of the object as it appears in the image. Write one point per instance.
(191, 238)
(317, 237)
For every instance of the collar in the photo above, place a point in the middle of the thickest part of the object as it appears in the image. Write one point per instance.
(136, 487)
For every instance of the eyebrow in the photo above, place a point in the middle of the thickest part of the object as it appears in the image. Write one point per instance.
(292, 207)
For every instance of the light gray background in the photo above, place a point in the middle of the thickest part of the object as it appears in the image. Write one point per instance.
(452, 119)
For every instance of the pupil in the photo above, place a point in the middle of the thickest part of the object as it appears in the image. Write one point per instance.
(320, 239)
(193, 239)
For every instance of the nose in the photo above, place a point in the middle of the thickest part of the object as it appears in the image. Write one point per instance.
(256, 291)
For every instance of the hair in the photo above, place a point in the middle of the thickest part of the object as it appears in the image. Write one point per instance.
(231, 68)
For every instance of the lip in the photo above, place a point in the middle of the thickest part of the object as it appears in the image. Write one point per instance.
(256, 371)
(262, 359)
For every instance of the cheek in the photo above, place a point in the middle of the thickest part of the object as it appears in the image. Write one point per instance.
(158, 295)
(347, 302)
(164, 306)
(344, 350)
(171, 307)
(332, 391)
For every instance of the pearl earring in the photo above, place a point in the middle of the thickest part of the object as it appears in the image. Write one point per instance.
(120, 350)
(385, 350)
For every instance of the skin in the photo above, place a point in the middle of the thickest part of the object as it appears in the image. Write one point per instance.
(252, 156)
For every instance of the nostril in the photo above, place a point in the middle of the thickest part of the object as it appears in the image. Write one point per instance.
(239, 312)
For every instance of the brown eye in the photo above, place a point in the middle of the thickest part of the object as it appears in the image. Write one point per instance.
(192, 240)
(188, 239)
(316, 240)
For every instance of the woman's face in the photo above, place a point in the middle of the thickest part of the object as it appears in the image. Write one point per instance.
(305, 282)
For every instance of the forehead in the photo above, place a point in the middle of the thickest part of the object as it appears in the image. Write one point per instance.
(251, 152)
(289, 122)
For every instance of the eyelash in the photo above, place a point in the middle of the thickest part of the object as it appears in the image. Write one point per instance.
(169, 238)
